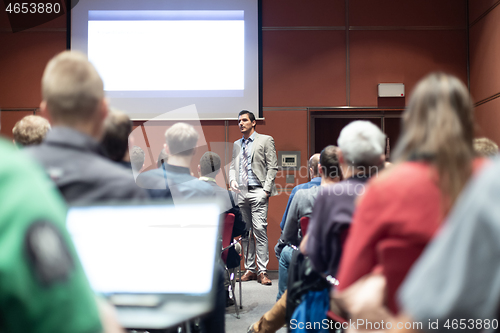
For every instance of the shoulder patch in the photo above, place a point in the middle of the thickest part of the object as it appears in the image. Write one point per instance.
(48, 253)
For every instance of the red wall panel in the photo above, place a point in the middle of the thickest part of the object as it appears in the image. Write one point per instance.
(478, 8)
(8, 120)
(304, 68)
(401, 57)
(22, 61)
(276, 13)
(485, 56)
(488, 119)
(407, 13)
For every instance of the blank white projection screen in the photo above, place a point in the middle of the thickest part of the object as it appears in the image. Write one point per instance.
(168, 55)
(158, 57)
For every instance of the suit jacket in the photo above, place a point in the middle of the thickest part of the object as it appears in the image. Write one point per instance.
(263, 159)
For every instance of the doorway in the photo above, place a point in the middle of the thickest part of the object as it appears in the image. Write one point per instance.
(325, 126)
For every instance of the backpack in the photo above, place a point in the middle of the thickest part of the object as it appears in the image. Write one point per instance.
(302, 278)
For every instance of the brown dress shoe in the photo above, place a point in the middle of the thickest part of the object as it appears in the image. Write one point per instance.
(264, 279)
(248, 276)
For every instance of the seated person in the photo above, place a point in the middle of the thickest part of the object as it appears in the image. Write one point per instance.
(401, 210)
(43, 286)
(117, 129)
(484, 147)
(312, 167)
(361, 155)
(174, 179)
(30, 130)
(209, 168)
(361, 145)
(137, 158)
(456, 279)
(302, 205)
(162, 158)
(73, 101)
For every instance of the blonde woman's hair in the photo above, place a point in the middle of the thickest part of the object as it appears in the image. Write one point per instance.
(438, 127)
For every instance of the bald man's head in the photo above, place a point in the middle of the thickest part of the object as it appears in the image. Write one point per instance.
(313, 165)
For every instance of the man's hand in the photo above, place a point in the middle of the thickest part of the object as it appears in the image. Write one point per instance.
(234, 186)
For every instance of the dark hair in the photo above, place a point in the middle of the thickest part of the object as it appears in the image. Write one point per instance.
(117, 128)
(330, 162)
(209, 163)
(251, 116)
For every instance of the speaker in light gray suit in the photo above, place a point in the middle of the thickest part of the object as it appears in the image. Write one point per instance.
(253, 170)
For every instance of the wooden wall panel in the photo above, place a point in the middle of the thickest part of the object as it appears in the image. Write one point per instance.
(304, 68)
(401, 57)
(407, 13)
(488, 120)
(286, 13)
(485, 56)
(8, 120)
(478, 8)
(4, 20)
(22, 62)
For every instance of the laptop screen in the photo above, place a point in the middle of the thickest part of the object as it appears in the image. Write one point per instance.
(147, 249)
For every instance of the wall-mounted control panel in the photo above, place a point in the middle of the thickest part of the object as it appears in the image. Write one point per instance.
(289, 160)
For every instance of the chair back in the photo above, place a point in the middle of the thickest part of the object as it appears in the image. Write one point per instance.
(226, 234)
(304, 223)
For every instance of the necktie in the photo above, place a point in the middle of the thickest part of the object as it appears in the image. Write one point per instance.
(244, 164)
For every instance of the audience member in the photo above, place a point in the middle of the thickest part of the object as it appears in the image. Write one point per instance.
(361, 154)
(253, 169)
(175, 181)
(456, 280)
(117, 128)
(162, 158)
(30, 130)
(43, 287)
(484, 147)
(137, 158)
(209, 167)
(360, 151)
(402, 209)
(73, 101)
(312, 168)
(302, 206)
